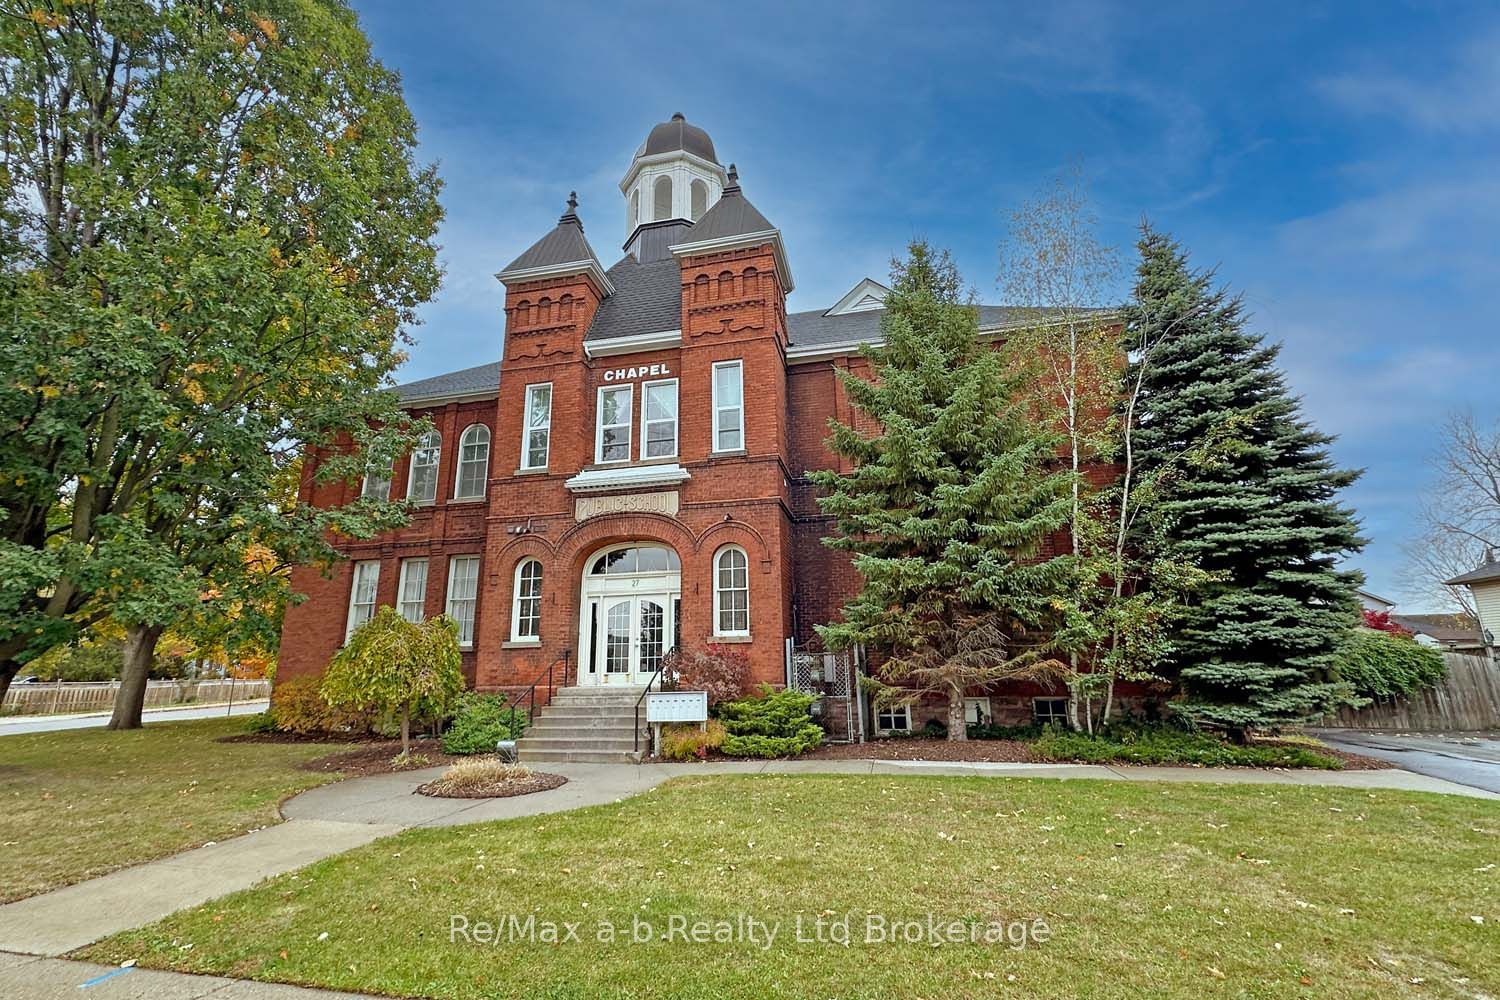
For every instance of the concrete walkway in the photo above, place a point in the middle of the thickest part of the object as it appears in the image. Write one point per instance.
(338, 817)
(16, 724)
(27, 977)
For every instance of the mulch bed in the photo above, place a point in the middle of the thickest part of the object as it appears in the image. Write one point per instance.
(540, 781)
(927, 748)
(375, 758)
(297, 738)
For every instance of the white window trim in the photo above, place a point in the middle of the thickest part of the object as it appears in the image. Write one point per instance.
(983, 701)
(515, 604)
(719, 631)
(738, 363)
(349, 624)
(629, 424)
(401, 585)
(458, 465)
(453, 564)
(903, 710)
(676, 418)
(437, 465)
(364, 487)
(526, 427)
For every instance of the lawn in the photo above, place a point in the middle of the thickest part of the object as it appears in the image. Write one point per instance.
(1163, 890)
(79, 803)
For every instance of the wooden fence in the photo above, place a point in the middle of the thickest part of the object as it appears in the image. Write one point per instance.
(62, 697)
(1468, 699)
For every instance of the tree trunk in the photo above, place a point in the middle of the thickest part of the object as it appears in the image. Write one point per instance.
(1109, 702)
(957, 729)
(405, 730)
(140, 650)
(8, 671)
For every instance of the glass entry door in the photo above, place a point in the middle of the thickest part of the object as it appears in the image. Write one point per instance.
(634, 634)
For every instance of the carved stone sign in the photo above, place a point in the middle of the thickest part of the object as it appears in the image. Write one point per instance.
(664, 502)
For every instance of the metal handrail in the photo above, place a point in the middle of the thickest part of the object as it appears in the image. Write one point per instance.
(655, 675)
(529, 695)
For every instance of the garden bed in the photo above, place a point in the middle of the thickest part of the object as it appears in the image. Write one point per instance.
(539, 781)
(374, 757)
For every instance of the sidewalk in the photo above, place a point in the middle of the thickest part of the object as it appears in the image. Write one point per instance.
(13, 724)
(32, 978)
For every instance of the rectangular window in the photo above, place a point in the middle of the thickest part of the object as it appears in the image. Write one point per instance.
(421, 483)
(894, 719)
(1050, 711)
(411, 595)
(613, 444)
(377, 484)
(538, 441)
(729, 406)
(977, 712)
(362, 595)
(463, 585)
(659, 419)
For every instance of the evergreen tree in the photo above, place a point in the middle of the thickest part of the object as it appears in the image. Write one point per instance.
(952, 493)
(1252, 501)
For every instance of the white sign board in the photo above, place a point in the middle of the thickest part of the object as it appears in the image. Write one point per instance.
(677, 706)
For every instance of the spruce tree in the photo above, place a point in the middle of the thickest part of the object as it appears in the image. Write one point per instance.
(952, 494)
(1251, 498)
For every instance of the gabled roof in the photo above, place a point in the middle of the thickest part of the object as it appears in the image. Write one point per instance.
(481, 380)
(868, 294)
(1448, 629)
(733, 222)
(561, 252)
(647, 299)
(1488, 572)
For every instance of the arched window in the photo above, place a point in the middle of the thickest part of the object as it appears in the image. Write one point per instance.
(473, 463)
(422, 477)
(636, 559)
(731, 591)
(700, 199)
(662, 196)
(635, 210)
(526, 615)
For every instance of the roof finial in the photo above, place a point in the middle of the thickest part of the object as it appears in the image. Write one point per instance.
(572, 202)
(678, 116)
(734, 175)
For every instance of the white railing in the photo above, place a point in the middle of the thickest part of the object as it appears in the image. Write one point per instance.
(66, 697)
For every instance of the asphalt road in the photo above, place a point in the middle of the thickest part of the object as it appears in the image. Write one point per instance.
(1471, 759)
(48, 723)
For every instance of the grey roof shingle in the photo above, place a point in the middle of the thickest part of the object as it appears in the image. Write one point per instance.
(731, 215)
(1459, 629)
(1489, 571)
(647, 299)
(814, 329)
(564, 245)
(469, 381)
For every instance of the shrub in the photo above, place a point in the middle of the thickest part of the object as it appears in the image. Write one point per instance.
(482, 720)
(1380, 664)
(776, 724)
(685, 741)
(936, 729)
(260, 722)
(1030, 731)
(722, 671)
(1168, 745)
(297, 706)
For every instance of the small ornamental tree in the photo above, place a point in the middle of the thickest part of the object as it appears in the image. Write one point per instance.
(1380, 621)
(952, 495)
(392, 665)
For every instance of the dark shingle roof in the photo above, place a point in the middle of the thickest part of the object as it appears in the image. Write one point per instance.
(731, 215)
(813, 329)
(469, 381)
(1444, 628)
(647, 299)
(1489, 571)
(564, 245)
(677, 134)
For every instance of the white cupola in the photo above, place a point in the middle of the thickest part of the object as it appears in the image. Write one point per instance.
(674, 175)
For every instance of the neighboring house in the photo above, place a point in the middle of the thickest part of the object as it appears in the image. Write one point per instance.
(1484, 584)
(1452, 631)
(1372, 602)
(633, 472)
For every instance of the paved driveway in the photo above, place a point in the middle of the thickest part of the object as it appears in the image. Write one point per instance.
(50, 723)
(1471, 759)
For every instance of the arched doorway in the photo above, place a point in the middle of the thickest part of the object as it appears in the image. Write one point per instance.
(629, 613)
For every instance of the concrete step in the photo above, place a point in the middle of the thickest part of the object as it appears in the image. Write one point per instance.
(575, 743)
(530, 757)
(589, 727)
(569, 697)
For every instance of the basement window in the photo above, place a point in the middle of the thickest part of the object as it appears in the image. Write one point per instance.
(1050, 711)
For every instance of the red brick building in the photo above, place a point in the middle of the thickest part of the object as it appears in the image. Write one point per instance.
(632, 474)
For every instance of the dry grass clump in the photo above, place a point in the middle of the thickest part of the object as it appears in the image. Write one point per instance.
(476, 773)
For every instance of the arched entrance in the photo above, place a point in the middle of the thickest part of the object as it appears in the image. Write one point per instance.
(629, 613)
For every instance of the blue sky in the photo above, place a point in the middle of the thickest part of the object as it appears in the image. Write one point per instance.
(1336, 162)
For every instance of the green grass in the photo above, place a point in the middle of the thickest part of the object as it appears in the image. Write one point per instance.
(1162, 890)
(79, 803)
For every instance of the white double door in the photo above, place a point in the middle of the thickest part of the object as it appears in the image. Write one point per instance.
(631, 635)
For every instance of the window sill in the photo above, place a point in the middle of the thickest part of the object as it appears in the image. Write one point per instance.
(466, 500)
(538, 471)
(729, 453)
(729, 639)
(521, 644)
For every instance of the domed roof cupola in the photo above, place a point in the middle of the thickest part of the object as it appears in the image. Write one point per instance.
(675, 176)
